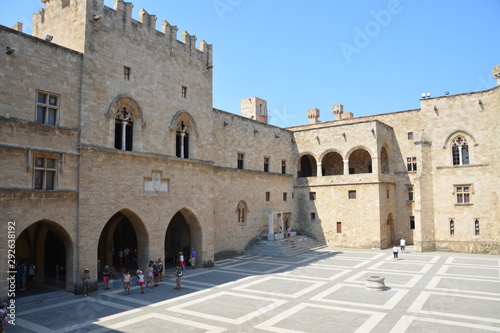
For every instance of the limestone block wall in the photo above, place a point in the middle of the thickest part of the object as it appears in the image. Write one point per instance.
(232, 186)
(114, 181)
(233, 134)
(38, 65)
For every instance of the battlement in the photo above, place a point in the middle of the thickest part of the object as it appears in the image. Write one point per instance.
(86, 16)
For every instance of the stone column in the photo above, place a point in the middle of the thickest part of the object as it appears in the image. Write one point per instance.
(182, 144)
(270, 232)
(319, 172)
(346, 167)
(124, 134)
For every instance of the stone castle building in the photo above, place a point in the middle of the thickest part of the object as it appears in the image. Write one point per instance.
(109, 140)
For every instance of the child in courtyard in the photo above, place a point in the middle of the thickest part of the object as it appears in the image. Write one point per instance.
(178, 274)
(140, 276)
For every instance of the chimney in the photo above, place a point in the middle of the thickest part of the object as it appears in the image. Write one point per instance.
(313, 115)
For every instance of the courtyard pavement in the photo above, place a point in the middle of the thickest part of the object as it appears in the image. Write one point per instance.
(321, 291)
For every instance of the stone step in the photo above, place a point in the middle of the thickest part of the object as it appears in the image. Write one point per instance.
(285, 248)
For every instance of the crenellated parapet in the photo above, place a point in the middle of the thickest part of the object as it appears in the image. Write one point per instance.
(59, 14)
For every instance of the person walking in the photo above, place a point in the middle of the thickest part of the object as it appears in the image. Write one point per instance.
(395, 251)
(3, 316)
(140, 280)
(156, 273)
(127, 279)
(178, 277)
(402, 244)
(181, 260)
(106, 275)
(160, 265)
(192, 258)
(86, 282)
(150, 271)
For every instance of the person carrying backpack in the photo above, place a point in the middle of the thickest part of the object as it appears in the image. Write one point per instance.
(178, 274)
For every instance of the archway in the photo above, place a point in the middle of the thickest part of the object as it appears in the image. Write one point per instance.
(307, 166)
(45, 249)
(183, 234)
(360, 161)
(123, 242)
(332, 164)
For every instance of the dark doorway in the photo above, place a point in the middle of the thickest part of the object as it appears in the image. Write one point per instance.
(177, 239)
(118, 244)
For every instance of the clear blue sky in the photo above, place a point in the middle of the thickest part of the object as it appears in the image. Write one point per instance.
(373, 57)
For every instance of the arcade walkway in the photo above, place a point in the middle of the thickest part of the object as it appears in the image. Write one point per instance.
(322, 291)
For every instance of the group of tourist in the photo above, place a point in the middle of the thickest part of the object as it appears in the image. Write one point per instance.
(154, 275)
(395, 249)
(25, 275)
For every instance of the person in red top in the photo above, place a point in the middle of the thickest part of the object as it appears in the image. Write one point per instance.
(181, 260)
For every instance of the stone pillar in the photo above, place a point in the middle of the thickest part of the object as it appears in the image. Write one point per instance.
(124, 134)
(270, 231)
(182, 144)
(319, 172)
(346, 167)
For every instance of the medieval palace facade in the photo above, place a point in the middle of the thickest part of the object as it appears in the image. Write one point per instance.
(109, 140)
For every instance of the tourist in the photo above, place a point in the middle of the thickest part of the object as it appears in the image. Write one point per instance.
(156, 273)
(160, 270)
(395, 251)
(150, 271)
(86, 282)
(178, 274)
(181, 260)
(140, 280)
(106, 275)
(126, 279)
(31, 274)
(192, 258)
(3, 316)
(402, 243)
(120, 257)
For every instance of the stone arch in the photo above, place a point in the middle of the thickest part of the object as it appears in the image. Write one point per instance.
(183, 233)
(459, 155)
(186, 116)
(50, 248)
(360, 160)
(385, 160)
(332, 163)
(132, 106)
(306, 165)
(116, 234)
(242, 211)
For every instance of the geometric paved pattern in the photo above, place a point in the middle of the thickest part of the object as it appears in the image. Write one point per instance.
(321, 291)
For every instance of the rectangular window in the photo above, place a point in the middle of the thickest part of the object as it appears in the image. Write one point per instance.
(410, 135)
(476, 227)
(44, 173)
(411, 163)
(184, 92)
(268, 196)
(463, 194)
(312, 195)
(352, 194)
(409, 189)
(387, 194)
(452, 227)
(126, 73)
(283, 167)
(313, 216)
(47, 107)
(412, 222)
(266, 164)
(339, 227)
(241, 158)
(285, 196)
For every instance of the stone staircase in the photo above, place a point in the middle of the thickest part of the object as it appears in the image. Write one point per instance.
(285, 248)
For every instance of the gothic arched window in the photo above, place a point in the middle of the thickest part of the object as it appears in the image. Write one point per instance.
(182, 140)
(242, 209)
(124, 129)
(460, 151)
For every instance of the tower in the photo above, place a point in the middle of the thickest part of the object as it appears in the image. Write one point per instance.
(254, 108)
(313, 115)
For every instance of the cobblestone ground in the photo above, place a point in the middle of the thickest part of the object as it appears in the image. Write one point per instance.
(322, 291)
